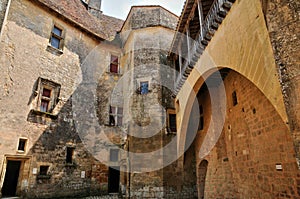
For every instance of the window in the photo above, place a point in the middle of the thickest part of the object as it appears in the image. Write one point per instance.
(48, 95)
(46, 99)
(201, 118)
(234, 98)
(69, 155)
(114, 155)
(144, 86)
(114, 64)
(177, 64)
(22, 144)
(115, 116)
(56, 39)
(172, 122)
(44, 170)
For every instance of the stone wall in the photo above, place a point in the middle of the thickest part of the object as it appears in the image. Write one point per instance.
(24, 59)
(149, 34)
(282, 19)
(150, 16)
(254, 144)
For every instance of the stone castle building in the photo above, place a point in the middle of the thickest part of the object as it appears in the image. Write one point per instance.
(204, 105)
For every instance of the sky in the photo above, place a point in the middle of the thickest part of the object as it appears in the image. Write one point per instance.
(120, 8)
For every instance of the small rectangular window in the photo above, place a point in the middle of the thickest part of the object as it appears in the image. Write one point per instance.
(114, 64)
(234, 98)
(56, 37)
(114, 155)
(115, 116)
(172, 122)
(177, 65)
(45, 101)
(22, 144)
(44, 170)
(144, 86)
(70, 154)
(48, 93)
(201, 118)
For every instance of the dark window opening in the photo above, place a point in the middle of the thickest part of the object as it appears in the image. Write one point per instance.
(201, 118)
(70, 154)
(114, 64)
(114, 155)
(177, 65)
(46, 92)
(234, 98)
(172, 122)
(144, 86)
(44, 170)
(56, 37)
(201, 123)
(22, 144)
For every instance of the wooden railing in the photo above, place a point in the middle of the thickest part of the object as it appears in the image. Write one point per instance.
(210, 25)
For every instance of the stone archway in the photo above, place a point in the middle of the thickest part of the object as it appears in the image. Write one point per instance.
(241, 44)
(202, 170)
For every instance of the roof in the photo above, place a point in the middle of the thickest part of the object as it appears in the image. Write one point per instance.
(75, 11)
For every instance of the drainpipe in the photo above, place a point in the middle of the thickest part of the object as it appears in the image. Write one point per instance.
(5, 18)
(200, 18)
(188, 42)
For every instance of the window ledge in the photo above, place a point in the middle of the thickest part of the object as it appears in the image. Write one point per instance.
(116, 126)
(169, 132)
(39, 117)
(44, 114)
(70, 164)
(111, 73)
(54, 50)
(20, 152)
(43, 176)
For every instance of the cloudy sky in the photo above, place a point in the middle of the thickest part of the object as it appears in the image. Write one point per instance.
(120, 8)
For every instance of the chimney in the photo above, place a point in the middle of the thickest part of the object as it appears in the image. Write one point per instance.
(94, 7)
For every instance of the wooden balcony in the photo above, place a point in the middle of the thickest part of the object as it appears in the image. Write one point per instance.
(201, 29)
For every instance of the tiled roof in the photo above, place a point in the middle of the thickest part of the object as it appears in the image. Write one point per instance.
(75, 11)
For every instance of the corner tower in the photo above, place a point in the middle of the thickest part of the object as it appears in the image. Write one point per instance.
(147, 35)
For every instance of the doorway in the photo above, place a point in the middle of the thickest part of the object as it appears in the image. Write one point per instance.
(11, 178)
(114, 179)
(202, 177)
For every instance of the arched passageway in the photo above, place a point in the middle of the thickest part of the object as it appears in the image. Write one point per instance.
(249, 150)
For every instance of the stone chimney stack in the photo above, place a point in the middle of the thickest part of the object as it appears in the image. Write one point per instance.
(94, 7)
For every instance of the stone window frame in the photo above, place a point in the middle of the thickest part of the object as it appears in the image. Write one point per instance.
(171, 112)
(115, 116)
(60, 37)
(45, 170)
(72, 162)
(54, 94)
(25, 145)
(141, 80)
(115, 63)
(40, 175)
